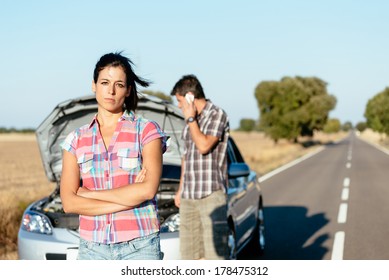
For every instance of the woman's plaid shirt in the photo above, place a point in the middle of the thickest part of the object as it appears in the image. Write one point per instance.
(118, 166)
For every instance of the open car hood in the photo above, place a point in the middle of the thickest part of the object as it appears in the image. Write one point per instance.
(74, 113)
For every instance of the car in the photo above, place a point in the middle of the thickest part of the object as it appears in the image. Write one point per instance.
(48, 233)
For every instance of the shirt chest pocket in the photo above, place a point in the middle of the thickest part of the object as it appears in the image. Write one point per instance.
(128, 159)
(85, 161)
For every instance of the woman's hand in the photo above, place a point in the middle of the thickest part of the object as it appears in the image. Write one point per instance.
(141, 176)
(177, 199)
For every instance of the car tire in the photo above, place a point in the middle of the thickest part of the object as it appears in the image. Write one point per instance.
(232, 250)
(258, 239)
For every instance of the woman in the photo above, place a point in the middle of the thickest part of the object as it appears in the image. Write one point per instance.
(118, 157)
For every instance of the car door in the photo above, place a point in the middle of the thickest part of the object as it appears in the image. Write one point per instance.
(243, 198)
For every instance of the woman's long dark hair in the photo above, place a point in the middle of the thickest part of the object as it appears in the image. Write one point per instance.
(117, 59)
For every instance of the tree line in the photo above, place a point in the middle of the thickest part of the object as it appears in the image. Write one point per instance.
(16, 130)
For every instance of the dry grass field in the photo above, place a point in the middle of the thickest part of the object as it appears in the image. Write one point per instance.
(22, 177)
(22, 180)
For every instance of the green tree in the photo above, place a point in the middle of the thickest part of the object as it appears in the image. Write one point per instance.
(247, 125)
(361, 126)
(269, 106)
(376, 112)
(332, 126)
(347, 126)
(293, 106)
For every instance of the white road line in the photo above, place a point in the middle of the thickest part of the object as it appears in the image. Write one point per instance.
(345, 193)
(342, 215)
(337, 249)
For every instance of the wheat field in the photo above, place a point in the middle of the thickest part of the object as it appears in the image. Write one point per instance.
(23, 180)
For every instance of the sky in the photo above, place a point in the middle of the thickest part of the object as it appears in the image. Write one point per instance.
(49, 49)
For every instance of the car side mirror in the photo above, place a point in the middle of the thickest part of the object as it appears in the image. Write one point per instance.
(238, 169)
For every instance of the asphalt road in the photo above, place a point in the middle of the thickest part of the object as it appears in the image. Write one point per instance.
(332, 205)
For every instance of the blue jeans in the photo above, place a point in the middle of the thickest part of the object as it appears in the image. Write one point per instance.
(142, 248)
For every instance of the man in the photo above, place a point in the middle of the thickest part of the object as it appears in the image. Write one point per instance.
(202, 195)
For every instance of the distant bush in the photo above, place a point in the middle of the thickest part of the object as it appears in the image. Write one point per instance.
(347, 126)
(247, 125)
(332, 126)
(15, 130)
(361, 126)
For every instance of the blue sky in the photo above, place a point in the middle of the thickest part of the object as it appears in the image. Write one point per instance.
(49, 48)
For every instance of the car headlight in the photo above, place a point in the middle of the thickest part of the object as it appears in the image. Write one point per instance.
(171, 224)
(35, 222)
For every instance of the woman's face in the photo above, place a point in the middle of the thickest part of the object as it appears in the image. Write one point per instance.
(111, 89)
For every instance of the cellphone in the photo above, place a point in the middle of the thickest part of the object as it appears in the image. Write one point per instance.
(189, 98)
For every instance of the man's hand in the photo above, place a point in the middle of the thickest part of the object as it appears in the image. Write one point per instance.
(188, 109)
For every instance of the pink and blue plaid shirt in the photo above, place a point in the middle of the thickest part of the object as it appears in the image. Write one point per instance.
(118, 166)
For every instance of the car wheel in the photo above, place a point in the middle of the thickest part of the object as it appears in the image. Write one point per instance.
(232, 244)
(258, 239)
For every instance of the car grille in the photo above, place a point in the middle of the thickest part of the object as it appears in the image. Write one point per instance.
(55, 257)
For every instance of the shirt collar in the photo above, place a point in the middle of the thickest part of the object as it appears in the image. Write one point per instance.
(127, 116)
(206, 108)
